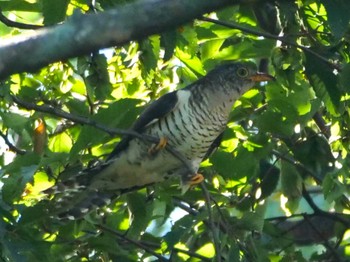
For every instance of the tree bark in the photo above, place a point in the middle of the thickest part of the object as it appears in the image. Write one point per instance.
(83, 34)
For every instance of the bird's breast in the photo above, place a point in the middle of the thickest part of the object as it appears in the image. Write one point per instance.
(191, 128)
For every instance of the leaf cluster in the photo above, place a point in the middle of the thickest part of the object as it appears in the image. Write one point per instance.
(278, 182)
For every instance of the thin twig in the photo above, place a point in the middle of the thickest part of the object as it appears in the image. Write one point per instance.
(111, 131)
(181, 204)
(131, 241)
(321, 236)
(211, 223)
(322, 125)
(19, 25)
(297, 164)
(12, 147)
(270, 36)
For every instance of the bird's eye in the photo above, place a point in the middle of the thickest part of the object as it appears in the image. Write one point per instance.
(242, 72)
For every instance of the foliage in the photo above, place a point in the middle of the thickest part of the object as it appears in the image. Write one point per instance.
(278, 182)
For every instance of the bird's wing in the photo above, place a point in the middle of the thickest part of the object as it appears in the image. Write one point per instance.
(216, 143)
(155, 111)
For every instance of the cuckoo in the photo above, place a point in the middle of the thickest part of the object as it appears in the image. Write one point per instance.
(190, 121)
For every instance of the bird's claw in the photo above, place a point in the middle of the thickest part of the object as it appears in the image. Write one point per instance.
(196, 179)
(163, 141)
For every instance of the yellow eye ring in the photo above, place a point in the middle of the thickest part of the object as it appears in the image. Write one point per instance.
(242, 72)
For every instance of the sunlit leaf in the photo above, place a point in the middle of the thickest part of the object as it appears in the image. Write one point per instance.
(338, 16)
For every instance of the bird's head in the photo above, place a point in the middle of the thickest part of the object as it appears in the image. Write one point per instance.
(239, 77)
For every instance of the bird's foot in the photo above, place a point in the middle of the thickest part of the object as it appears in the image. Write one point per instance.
(163, 141)
(196, 179)
(193, 181)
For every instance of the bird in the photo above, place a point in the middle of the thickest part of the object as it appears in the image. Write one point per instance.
(190, 121)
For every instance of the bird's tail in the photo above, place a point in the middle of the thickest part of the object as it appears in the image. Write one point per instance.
(73, 198)
(76, 206)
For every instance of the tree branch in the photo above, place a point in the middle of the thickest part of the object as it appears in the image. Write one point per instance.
(12, 147)
(83, 34)
(211, 223)
(111, 131)
(270, 36)
(19, 25)
(297, 164)
(131, 241)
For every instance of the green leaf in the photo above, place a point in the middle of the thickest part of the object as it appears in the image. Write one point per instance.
(77, 107)
(141, 213)
(207, 250)
(345, 77)
(245, 49)
(321, 75)
(168, 42)
(193, 62)
(251, 221)
(275, 123)
(235, 167)
(98, 82)
(180, 229)
(20, 5)
(54, 11)
(338, 16)
(269, 175)
(20, 172)
(15, 121)
(120, 114)
(61, 143)
(291, 184)
(150, 52)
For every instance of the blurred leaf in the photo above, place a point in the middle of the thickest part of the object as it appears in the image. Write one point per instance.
(141, 213)
(150, 52)
(274, 122)
(252, 221)
(332, 188)
(97, 82)
(207, 250)
(244, 49)
(269, 175)
(168, 42)
(235, 167)
(338, 16)
(291, 184)
(111, 86)
(20, 5)
(120, 114)
(345, 77)
(19, 172)
(320, 74)
(77, 107)
(15, 121)
(179, 230)
(54, 11)
(61, 143)
(192, 62)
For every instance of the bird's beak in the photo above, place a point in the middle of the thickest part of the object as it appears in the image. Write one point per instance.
(261, 77)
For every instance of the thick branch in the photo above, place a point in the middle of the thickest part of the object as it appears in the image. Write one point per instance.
(83, 34)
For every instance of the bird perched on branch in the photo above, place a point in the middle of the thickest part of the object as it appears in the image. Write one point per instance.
(188, 123)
